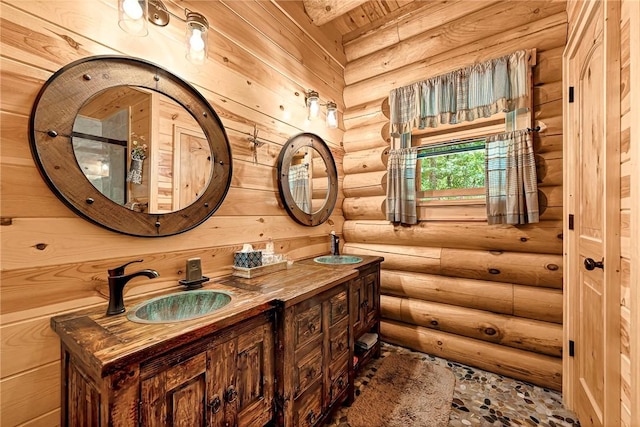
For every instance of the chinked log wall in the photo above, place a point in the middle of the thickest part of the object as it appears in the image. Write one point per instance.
(487, 296)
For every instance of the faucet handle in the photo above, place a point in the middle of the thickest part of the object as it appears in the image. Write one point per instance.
(119, 271)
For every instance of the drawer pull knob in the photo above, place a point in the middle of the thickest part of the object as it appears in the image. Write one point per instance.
(311, 417)
(340, 382)
(312, 327)
(215, 405)
(340, 309)
(231, 394)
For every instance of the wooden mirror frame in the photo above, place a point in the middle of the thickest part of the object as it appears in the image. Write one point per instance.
(51, 125)
(292, 146)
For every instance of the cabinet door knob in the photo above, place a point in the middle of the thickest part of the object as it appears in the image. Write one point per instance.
(215, 405)
(312, 327)
(590, 264)
(231, 394)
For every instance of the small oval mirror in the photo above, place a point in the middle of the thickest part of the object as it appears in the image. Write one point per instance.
(307, 179)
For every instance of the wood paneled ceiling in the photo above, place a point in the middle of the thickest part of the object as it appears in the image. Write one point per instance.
(355, 17)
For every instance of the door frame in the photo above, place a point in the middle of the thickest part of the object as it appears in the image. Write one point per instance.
(634, 36)
(611, 238)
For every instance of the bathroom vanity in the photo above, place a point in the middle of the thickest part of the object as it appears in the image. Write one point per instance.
(280, 352)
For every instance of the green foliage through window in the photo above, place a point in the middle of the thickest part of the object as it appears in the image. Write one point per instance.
(451, 166)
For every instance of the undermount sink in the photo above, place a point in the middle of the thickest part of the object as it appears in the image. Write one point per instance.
(178, 307)
(338, 259)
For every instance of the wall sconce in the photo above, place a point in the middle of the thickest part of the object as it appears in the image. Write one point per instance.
(134, 14)
(313, 109)
(332, 115)
(313, 105)
(196, 37)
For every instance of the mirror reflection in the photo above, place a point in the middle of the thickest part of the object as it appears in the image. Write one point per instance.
(142, 150)
(308, 180)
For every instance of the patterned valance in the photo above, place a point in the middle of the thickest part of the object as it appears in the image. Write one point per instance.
(479, 90)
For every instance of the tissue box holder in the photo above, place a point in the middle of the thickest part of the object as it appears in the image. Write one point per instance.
(249, 259)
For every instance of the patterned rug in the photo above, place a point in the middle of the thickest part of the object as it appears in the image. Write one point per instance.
(405, 391)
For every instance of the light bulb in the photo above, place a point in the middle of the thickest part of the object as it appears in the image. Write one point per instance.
(196, 43)
(313, 104)
(132, 8)
(332, 115)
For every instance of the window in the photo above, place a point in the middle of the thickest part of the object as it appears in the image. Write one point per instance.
(451, 172)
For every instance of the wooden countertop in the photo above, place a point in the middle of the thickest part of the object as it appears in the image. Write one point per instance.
(108, 343)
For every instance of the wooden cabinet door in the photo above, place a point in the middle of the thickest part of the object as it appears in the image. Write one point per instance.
(176, 396)
(241, 379)
(255, 376)
(370, 284)
(221, 380)
(356, 312)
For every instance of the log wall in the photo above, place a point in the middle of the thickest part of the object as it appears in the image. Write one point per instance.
(260, 64)
(488, 296)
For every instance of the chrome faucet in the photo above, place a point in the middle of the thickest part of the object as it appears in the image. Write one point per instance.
(117, 281)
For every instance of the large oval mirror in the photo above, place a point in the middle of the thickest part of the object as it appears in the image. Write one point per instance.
(307, 179)
(130, 146)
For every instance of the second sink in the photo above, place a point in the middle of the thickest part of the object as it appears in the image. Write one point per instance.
(338, 259)
(179, 306)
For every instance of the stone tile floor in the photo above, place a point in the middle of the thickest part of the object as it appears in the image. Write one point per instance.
(482, 398)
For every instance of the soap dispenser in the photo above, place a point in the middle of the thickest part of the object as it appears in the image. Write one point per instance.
(268, 255)
(335, 244)
(269, 246)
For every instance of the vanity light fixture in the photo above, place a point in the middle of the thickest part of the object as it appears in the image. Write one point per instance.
(196, 37)
(332, 115)
(313, 103)
(134, 14)
(132, 17)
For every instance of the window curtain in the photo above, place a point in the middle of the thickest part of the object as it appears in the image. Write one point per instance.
(473, 92)
(299, 185)
(510, 179)
(401, 183)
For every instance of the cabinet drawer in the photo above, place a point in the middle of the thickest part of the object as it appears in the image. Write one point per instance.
(308, 325)
(308, 408)
(339, 341)
(339, 382)
(339, 308)
(308, 369)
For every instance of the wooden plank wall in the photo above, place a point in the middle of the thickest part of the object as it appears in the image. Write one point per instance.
(260, 65)
(488, 296)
